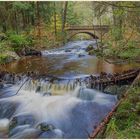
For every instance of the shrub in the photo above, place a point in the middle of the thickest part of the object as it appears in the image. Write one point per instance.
(129, 53)
(89, 48)
(19, 41)
(3, 58)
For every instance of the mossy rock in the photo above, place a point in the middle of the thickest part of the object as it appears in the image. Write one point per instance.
(45, 126)
(91, 52)
(4, 58)
(3, 36)
(89, 48)
(111, 89)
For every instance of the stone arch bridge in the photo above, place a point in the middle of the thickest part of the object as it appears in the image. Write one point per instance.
(96, 31)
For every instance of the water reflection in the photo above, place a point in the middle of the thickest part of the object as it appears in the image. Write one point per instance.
(58, 66)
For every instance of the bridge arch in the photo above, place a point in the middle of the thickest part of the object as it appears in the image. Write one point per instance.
(84, 32)
(95, 31)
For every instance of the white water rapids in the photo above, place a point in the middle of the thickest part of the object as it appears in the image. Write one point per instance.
(75, 114)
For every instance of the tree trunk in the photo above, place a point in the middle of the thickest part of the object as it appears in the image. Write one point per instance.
(38, 19)
(4, 27)
(55, 28)
(23, 20)
(16, 23)
(117, 20)
(33, 16)
(64, 17)
(114, 16)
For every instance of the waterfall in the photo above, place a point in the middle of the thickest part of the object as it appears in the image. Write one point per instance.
(55, 88)
(73, 111)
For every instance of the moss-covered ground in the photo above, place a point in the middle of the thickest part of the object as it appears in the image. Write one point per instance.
(126, 121)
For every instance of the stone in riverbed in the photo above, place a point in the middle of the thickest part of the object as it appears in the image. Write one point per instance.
(29, 133)
(4, 125)
(47, 94)
(1, 84)
(32, 52)
(7, 109)
(18, 129)
(45, 126)
(89, 48)
(111, 89)
(81, 55)
(49, 131)
(116, 90)
(38, 89)
(67, 50)
(55, 134)
(21, 120)
(91, 52)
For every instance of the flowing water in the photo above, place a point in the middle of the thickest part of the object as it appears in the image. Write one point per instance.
(59, 109)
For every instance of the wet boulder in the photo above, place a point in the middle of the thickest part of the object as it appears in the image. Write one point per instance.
(47, 94)
(55, 134)
(3, 36)
(1, 84)
(21, 120)
(7, 109)
(28, 133)
(32, 52)
(81, 55)
(45, 126)
(4, 125)
(116, 90)
(85, 94)
(18, 129)
(10, 59)
(89, 48)
(38, 89)
(91, 52)
(49, 131)
(111, 89)
(68, 50)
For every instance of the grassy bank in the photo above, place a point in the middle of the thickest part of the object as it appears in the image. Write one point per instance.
(120, 53)
(127, 53)
(126, 121)
(13, 45)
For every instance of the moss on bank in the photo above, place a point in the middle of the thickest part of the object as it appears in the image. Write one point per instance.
(126, 121)
(8, 56)
(3, 58)
(127, 53)
(13, 45)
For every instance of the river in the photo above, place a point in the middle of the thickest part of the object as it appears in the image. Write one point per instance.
(60, 109)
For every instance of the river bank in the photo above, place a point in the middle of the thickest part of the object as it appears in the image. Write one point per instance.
(125, 120)
(8, 56)
(115, 55)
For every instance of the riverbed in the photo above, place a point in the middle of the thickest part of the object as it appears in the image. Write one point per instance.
(60, 109)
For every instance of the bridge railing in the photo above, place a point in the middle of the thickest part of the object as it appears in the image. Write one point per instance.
(72, 27)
